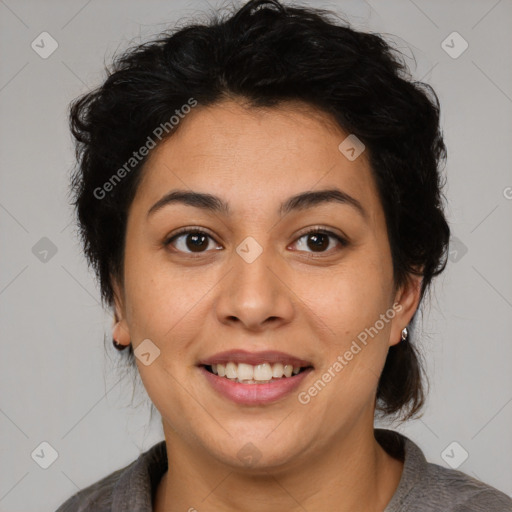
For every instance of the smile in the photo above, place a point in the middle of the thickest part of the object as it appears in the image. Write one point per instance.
(254, 374)
(251, 391)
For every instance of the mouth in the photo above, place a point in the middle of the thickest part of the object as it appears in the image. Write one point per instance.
(258, 365)
(265, 389)
(263, 373)
(254, 378)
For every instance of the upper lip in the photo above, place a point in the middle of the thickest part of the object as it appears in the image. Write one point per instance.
(254, 358)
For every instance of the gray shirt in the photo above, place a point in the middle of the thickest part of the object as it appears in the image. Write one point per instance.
(423, 487)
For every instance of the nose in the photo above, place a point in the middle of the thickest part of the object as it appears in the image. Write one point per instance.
(254, 294)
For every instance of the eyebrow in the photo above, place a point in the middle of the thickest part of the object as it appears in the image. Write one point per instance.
(215, 204)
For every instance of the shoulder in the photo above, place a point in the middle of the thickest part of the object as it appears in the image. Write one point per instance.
(130, 485)
(429, 487)
(463, 492)
(97, 497)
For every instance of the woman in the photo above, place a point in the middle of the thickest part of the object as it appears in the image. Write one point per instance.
(261, 200)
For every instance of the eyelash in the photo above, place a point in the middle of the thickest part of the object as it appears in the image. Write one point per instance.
(197, 231)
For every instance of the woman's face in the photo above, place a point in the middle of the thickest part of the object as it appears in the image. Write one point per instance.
(257, 283)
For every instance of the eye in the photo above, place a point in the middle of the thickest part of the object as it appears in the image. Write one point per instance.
(194, 240)
(318, 239)
(190, 241)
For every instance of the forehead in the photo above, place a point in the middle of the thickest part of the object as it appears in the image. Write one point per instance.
(256, 156)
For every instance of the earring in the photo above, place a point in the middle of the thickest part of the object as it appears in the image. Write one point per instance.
(405, 334)
(119, 346)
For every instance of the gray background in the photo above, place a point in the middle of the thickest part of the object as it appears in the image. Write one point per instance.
(58, 384)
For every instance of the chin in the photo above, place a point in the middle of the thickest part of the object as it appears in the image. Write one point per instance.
(260, 453)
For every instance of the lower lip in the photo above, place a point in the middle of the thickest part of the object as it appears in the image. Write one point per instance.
(254, 394)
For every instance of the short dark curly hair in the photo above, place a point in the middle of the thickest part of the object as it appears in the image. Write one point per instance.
(267, 53)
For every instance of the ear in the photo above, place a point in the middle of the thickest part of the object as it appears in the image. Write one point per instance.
(407, 299)
(120, 329)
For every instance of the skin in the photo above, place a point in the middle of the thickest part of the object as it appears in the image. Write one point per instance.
(306, 302)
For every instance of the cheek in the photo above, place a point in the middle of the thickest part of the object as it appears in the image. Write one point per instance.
(354, 305)
(169, 307)
(350, 297)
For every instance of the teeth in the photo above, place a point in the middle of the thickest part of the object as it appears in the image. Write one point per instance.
(231, 372)
(277, 370)
(250, 374)
(261, 372)
(246, 372)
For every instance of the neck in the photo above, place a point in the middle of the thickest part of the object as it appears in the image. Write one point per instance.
(350, 473)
